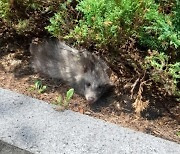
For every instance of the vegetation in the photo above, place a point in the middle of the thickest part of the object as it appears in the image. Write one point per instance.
(39, 86)
(63, 102)
(153, 24)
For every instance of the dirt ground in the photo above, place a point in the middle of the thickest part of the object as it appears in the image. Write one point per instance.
(159, 120)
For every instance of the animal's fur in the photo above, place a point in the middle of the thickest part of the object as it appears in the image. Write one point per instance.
(80, 69)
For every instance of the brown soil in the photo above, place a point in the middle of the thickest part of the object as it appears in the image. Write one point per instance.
(160, 120)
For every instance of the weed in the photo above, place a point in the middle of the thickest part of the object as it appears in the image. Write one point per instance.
(64, 102)
(38, 86)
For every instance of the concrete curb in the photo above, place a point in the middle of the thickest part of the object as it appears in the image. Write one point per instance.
(35, 126)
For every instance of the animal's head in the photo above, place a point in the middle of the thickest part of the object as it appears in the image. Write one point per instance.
(94, 88)
(96, 79)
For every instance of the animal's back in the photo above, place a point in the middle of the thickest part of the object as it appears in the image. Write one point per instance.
(56, 59)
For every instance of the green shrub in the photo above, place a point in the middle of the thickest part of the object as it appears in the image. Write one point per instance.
(105, 22)
(55, 28)
(4, 9)
(62, 21)
(112, 22)
(160, 28)
(176, 17)
(161, 71)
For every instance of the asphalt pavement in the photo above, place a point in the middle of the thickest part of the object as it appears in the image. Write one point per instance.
(28, 125)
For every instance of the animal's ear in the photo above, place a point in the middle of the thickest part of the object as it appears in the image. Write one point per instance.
(89, 64)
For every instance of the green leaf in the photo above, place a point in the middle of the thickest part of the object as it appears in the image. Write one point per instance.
(69, 94)
(38, 84)
(42, 89)
(59, 100)
(178, 134)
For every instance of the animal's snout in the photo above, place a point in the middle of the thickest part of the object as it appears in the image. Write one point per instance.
(91, 100)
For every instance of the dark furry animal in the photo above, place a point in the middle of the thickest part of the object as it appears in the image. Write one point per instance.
(85, 72)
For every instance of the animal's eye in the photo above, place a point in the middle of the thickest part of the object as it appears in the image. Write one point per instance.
(88, 84)
(99, 87)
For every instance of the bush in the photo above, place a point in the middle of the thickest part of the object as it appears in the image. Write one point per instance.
(4, 9)
(163, 72)
(113, 22)
(62, 21)
(160, 29)
(105, 22)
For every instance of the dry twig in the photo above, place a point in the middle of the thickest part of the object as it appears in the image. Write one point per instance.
(139, 104)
